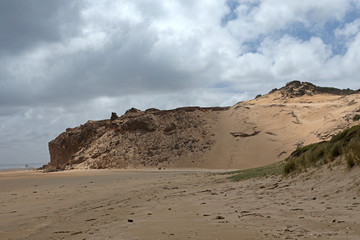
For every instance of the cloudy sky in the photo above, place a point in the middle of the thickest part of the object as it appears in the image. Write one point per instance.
(63, 62)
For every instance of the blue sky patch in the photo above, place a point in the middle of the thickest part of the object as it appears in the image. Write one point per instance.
(231, 15)
(299, 31)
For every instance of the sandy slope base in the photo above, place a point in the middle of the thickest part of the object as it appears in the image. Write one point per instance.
(118, 204)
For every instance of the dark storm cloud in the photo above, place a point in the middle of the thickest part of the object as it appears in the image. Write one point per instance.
(24, 26)
(63, 62)
(116, 48)
(28, 23)
(121, 66)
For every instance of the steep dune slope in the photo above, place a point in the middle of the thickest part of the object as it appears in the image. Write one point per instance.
(248, 134)
(269, 128)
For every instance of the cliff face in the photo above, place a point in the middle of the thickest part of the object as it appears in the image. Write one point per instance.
(249, 134)
(64, 148)
(152, 138)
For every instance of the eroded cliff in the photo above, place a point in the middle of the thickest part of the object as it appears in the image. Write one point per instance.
(150, 138)
(249, 134)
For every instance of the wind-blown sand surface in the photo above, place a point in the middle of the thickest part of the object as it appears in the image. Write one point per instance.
(125, 204)
(248, 134)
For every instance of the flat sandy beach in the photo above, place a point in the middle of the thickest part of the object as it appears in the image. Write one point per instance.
(165, 204)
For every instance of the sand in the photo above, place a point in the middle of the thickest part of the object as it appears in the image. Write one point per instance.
(124, 204)
(283, 125)
(249, 134)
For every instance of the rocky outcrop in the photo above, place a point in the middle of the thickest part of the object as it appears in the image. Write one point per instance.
(137, 139)
(297, 89)
(64, 148)
(245, 134)
(249, 134)
(114, 116)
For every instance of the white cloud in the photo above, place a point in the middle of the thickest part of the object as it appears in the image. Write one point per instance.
(292, 58)
(348, 65)
(166, 54)
(270, 16)
(349, 30)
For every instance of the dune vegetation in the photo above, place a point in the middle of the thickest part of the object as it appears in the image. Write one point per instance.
(345, 145)
(264, 171)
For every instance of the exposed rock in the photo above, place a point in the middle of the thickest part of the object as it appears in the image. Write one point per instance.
(152, 139)
(152, 110)
(63, 148)
(245, 134)
(199, 137)
(145, 122)
(297, 89)
(114, 116)
(170, 129)
(133, 112)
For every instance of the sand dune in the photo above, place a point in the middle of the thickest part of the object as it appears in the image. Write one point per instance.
(190, 199)
(249, 134)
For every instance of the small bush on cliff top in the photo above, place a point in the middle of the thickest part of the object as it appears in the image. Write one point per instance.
(356, 117)
(346, 143)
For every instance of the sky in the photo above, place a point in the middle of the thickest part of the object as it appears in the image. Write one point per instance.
(63, 62)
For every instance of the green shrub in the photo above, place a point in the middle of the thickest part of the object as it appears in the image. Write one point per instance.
(346, 143)
(356, 117)
(298, 152)
(335, 151)
(301, 92)
(268, 170)
(273, 90)
(350, 161)
(354, 150)
(289, 167)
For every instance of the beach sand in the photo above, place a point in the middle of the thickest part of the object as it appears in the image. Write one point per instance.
(166, 204)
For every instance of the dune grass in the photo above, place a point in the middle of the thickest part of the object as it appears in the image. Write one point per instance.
(356, 117)
(345, 144)
(264, 171)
